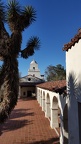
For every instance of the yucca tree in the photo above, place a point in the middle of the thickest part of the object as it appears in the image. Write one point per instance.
(10, 47)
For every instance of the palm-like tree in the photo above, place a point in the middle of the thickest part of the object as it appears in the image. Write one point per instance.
(10, 47)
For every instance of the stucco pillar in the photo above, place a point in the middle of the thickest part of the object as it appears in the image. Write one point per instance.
(54, 118)
(41, 101)
(37, 95)
(47, 112)
(61, 129)
(38, 98)
(43, 104)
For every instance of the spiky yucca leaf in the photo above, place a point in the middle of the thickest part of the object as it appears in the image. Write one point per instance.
(13, 6)
(13, 15)
(19, 19)
(28, 16)
(33, 44)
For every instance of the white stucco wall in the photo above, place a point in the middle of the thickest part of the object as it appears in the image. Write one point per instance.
(42, 95)
(73, 61)
(25, 90)
(73, 68)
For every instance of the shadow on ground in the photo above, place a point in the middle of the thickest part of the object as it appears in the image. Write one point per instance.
(18, 113)
(14, 122)
(50, 141)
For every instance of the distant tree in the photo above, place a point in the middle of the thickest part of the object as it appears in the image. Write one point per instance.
(10, 47)
(53, 73)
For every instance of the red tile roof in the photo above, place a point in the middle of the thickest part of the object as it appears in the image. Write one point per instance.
(73, 41)
(57, 86)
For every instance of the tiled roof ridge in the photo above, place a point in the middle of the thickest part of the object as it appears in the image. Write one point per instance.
(74, 40)
(56, 81)
(53, 85)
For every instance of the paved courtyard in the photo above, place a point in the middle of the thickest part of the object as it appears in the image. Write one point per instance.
(27, 125)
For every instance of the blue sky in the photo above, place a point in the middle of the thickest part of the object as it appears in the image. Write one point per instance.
(57, 22)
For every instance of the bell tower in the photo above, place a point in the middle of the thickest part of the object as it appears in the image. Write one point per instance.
(34, 70)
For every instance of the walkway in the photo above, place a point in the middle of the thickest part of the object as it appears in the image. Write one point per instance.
(27, 125)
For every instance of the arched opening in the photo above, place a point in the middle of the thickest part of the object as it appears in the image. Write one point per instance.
(48, 113)
(43, 102)
(39, 96)
(54, 113)
(65, 124)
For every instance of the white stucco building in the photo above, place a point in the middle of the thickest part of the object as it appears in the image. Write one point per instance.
(28, 83)
(34, 70)
(73, 77)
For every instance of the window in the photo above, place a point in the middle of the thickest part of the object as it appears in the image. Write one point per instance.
(29, 79)
(33, 68)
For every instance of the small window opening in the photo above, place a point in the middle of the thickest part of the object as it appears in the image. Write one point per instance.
(33, 68)
(29, 79)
